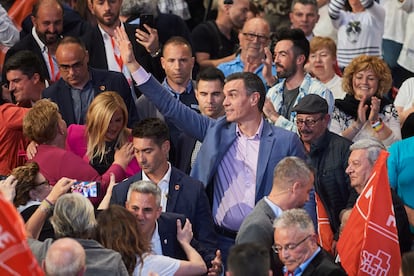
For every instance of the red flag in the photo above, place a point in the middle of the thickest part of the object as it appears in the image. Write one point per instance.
(369, 242)
(16, 258)
(20, 10)
(325, 234)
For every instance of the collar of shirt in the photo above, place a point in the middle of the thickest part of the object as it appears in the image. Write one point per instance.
(164, 186)
(42, 46)
(276, 209)
(298, 271)
(176, 94)
(257, 135)
(156, 246)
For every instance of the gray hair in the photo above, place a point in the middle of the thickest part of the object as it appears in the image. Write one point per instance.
(291, 169)
(73, 217)
(134, 8)
(372, 146)
(297, 218)
(145, 187)
(64, 257)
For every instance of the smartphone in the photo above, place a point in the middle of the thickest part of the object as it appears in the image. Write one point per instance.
(146, 19)
(86, 188)
(3, 177)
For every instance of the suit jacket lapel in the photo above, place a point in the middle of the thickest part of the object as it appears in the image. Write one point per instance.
(174, 190)
(266, 143)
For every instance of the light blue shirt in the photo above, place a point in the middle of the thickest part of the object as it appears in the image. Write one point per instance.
(236, 65)
(298, 271)
(309, 85)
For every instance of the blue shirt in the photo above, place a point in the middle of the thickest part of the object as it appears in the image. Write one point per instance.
(298, 271)
(236, 65)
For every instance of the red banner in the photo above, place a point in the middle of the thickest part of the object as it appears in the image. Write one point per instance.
(325, 234)
(369, 243)
(16, 258)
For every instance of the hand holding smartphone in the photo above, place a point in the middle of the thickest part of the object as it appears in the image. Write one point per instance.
(147, 19)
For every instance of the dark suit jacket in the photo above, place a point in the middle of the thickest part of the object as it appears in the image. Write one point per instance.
(184, 151)
(97, 56)
(257, 227)
(102, 81)
(73, 24)
(186, 196)
(28, 43)
(167, 229)
(323, 265)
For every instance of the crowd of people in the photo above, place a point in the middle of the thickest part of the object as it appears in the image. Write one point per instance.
(239, 138)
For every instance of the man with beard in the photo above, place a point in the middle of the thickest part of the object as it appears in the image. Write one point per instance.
(104, 54)
(290, 55)
(47, 18)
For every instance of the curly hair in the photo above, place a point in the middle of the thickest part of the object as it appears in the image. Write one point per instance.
(26, 176)
(41, 122)
(123, 236)
(362, 63)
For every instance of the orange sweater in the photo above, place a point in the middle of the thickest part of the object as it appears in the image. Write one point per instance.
(11, 137)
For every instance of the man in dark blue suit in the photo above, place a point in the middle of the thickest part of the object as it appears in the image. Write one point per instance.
(79, 84)
(180, 193)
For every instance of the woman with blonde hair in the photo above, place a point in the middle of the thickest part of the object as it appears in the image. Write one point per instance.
(105, 131)
(365, 112)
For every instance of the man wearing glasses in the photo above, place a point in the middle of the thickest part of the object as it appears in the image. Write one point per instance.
(79, 84)
(290, 56)
(328, 154)
(297, 247)
(254, 37)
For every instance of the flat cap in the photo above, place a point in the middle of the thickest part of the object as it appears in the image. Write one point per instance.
(311, 104)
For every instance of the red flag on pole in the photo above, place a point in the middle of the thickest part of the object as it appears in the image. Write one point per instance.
(325, 234)
(16, 258)
(369, 243)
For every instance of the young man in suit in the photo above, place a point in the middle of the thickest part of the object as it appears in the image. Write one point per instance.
(296, 243)
(144, 200)
(180, 193)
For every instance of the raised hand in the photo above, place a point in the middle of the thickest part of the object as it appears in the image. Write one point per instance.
(148, 40)
(125, 47)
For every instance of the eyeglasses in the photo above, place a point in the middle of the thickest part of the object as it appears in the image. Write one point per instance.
(288, 247)
(260, 38)
(75, 67)
(46, 182)
(308, 122)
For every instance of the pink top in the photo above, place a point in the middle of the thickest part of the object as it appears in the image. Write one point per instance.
(55, 163)
(76, 142)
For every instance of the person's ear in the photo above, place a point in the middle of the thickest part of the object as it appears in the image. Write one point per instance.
(254, 98)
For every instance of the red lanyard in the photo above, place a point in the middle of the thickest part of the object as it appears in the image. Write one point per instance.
(117, 57)
(53, 78)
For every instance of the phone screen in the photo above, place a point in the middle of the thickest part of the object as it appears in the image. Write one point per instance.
(147, 19)
(86, 188)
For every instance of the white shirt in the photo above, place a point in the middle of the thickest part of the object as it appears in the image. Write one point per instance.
(156, 241)
(164, 186)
